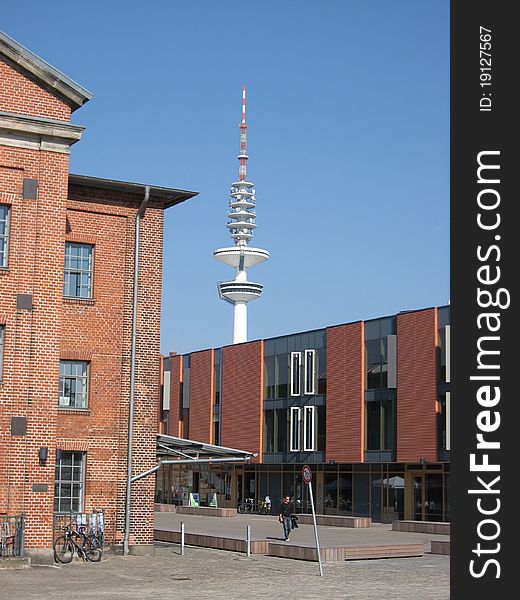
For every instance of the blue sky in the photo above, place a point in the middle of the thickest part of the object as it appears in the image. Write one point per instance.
(348, 115)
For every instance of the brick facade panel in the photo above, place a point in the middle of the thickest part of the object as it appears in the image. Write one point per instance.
(417, 386)
(242, 397)
(345, 393)
(175, 394)
(201, 395)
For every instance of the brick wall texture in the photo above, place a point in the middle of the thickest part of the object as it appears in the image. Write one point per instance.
(417, 386)
(97, 330)
(242, 397)
(201, 396)
(345, 393)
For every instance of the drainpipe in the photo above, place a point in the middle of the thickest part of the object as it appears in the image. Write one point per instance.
(139, 215)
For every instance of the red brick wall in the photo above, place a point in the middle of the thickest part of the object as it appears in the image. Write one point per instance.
(32, 337)
(98, 330)
(20, 95)
(175, 394)
(345, 393)
(201, 395)
(242, 397)
(417, 386)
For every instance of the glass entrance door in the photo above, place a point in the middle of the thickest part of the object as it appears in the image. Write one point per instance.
(427, 497)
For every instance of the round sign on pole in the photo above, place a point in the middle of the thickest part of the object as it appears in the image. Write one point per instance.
(307, 474)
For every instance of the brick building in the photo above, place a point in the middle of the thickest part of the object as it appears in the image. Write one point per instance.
(67, 250)
(365, 404)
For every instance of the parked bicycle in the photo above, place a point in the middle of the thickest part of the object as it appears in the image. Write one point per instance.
(247, 506)
(264, 508)
(77, 541)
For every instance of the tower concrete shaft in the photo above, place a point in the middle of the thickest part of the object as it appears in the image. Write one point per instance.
(241, 225)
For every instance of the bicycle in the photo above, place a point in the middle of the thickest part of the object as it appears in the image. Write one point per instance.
(65, 546)
(246, 506)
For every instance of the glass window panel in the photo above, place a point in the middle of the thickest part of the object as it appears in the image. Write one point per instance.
(282, 375)
(296, 359)
(345, 494)
(387, 424)
(269, 377)
(321, 427)
(361, 495)
(309, 431)
(373, 363)
(310, 372)
(295, 429)
(77, 280)
(373, 425)
(282, 430)
(69, 481)
(269, 441)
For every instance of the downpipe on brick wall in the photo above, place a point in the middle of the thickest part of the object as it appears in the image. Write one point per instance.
(139, 215)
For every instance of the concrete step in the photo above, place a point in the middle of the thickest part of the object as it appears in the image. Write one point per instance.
(14, 562)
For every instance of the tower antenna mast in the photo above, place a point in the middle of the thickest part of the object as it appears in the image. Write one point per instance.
(241, 256)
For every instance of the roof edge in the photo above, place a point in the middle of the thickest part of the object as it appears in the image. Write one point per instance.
(170, 196)
(48, 76)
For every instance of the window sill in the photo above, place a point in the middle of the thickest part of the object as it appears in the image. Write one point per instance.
(4, 270)
(85, 301)
(77, 411)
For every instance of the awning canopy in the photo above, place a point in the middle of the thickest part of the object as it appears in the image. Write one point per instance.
(169, 446)
(173, 450)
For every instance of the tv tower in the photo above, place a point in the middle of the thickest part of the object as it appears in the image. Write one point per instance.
(241, 256)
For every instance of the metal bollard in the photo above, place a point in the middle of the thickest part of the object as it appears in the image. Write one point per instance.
(248, 540)
(182, 539)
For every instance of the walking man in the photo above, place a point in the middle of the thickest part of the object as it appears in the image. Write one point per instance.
(286, 511)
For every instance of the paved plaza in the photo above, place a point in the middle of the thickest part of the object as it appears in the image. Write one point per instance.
(204, 574)
(268, 527)
(208, 574)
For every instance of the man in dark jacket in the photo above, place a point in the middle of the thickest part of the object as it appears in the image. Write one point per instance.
(286, 511)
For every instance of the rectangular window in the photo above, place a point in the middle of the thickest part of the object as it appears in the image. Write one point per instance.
(69, 481)
(78, 270)
(296, 362)
(309, 428)
(295, 429)
(73, 387)
(2, 329)
(4, 234)
(448, 431)
(310, 372)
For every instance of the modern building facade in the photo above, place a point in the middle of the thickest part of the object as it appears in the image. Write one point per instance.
(67, 275)
(365, 404)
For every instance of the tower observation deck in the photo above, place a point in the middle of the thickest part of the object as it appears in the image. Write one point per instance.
(241, 256)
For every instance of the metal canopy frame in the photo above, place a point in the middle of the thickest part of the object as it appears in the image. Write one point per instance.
(191, 452)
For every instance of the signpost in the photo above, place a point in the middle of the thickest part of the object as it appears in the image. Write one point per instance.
(307, 478)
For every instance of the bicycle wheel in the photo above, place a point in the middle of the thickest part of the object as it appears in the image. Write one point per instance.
(63, 549)
(241, 509)
(92, 554)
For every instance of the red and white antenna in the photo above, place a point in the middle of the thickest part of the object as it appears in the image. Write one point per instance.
(242, 157)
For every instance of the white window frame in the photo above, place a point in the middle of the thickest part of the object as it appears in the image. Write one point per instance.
(78, 459)
(309, 377)
(448, 418)
(79, 271)
(5, 255)
(295, 379)
(80, 380)
(295, 440)
(309, 413)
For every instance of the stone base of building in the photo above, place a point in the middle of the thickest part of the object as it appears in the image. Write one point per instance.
(142, 550)
(40, 556)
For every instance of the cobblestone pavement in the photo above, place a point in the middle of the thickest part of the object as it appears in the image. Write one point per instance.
(205, 574)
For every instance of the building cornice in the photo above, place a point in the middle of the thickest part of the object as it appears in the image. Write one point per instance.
(47, 76)
(34, 133)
